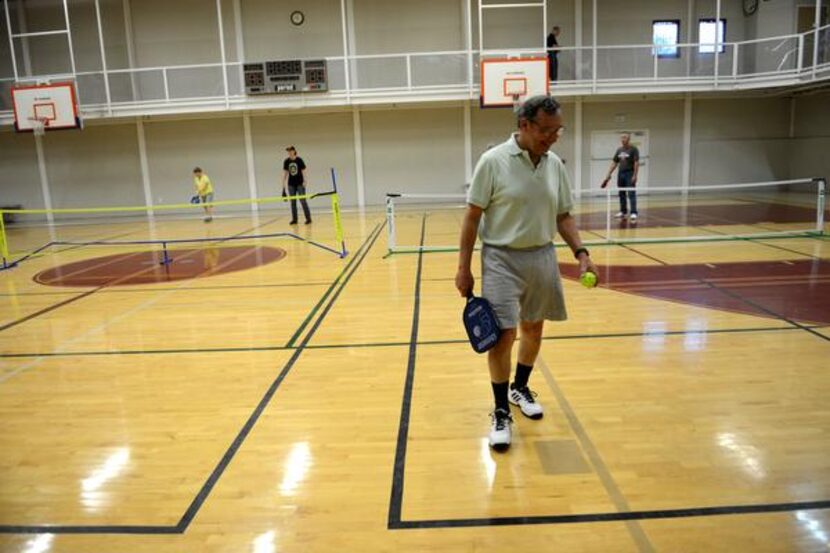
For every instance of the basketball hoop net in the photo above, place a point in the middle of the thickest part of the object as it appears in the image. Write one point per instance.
(39, 125)
(517, 102)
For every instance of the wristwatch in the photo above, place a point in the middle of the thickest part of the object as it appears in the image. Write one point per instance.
(581, 250)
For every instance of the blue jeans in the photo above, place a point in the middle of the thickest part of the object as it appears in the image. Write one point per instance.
(627, 189)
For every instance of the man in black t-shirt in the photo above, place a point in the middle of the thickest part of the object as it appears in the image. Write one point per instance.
(553, 54)
(627, 157)
(294, 175)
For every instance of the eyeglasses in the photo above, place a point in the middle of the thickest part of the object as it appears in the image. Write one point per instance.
(550, 131)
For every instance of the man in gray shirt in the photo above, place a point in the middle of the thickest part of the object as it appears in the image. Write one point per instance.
(627, 157)
(521, 195)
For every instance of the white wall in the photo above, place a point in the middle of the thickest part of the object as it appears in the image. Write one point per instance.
(323, 140)
(19, 179)
(740, 140)
(96, 166)
(413, 150)
(418, 149)
(216, 145)
(809, 153)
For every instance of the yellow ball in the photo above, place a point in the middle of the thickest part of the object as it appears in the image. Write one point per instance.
(588, 279)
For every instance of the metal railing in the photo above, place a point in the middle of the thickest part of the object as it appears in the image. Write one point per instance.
(772, 61)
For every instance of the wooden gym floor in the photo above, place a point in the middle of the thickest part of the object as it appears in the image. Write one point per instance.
(290, 401)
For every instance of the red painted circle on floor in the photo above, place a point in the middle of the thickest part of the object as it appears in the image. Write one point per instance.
(147, 267)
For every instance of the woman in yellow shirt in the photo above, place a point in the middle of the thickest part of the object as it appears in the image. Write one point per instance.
(204, 189)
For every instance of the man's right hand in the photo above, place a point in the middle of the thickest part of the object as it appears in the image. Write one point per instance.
(464, 282)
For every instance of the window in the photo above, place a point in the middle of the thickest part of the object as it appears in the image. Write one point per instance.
(706, 36)
(665, 36)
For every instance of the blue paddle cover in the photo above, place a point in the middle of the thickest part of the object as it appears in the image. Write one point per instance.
(481, 324)
(194, 200)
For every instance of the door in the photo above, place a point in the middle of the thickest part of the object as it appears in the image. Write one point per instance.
(805, 21)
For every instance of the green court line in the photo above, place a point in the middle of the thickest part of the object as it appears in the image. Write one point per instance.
(805, 234)
(401, 344)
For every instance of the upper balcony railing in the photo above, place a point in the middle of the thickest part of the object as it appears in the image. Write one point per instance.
(454, 75)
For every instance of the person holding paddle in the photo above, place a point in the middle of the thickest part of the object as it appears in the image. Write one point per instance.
(521, 195)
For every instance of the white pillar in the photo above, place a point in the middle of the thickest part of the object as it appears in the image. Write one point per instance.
(691, 26)
(792, 117)
(352, 45)
(358, 158)
(594, 42)
(468, 144)
(816, 25)
(686, 170)
(249, 159)
(717, 39)
(240, 41)
(222, 56)
(44, 178)
(467, 32)
(344, 31)
(103, 56)
(24, 42)
(578, 145)
(69, 39)
(578, 39)
(11, 40)
(128, 39)
(145, 166)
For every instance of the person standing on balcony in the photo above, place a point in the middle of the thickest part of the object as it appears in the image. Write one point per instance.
(294, 176)
(627, 157)
(553, 53)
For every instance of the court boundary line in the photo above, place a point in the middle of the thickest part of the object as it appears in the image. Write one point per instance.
(214, 476)
(126, 290)
(395, 521)
(425, 343)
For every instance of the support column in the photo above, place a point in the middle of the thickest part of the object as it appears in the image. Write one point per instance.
(249, 159)
(352, 51)
(130, 42)
(103, 56)
(145, 166)
(240, 41)
(358, 158)
(578, 146)
(44, 177)
(222, 56)
(24, 42)
(816, 25)
(468, 144)
(686, 170)
(578, 39)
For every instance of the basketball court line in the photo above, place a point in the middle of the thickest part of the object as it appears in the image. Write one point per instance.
(395, 522)
(105, 324)
(600, 468)
(741, 298)
(425, 343)
(88, 293)
(217, 472)
(192, 288)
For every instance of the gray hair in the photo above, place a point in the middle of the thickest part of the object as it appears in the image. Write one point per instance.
(530, 108)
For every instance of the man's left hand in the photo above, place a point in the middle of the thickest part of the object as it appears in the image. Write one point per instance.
(634, 180)
(586, 265)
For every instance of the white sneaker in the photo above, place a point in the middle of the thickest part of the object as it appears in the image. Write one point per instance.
(526, 401)
(620, 215)
(633, 218)
(500, 430)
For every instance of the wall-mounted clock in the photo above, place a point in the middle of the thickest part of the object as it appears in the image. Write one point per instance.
(298, 18)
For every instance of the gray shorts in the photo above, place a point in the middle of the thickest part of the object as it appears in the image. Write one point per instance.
(207, 198)
(522, 285)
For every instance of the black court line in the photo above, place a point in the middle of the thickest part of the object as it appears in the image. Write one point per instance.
(424, 343)
(217, 472)
(54, 306)
(396, 499)
(183, 289)
(603, 472)
(211, 481)
(734, 295)
(618, 517)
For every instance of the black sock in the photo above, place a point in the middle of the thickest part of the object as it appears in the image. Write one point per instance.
(500, 395)
(522, 375)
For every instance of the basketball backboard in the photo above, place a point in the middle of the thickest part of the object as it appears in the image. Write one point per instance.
(54, 106)
(505, 80)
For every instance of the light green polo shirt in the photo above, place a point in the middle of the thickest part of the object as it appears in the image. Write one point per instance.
(520, 201)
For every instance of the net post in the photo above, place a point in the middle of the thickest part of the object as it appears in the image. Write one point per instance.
(338, 221)
(822, 193)
(4, 245)
(390, 222)
(608, 213)
(166, 259)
